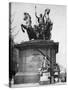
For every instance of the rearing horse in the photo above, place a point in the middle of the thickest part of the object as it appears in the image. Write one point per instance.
(28, 27)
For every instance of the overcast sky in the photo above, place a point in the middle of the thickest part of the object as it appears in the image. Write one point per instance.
(58, 17)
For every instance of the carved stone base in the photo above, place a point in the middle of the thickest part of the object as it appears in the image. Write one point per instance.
(22, 78)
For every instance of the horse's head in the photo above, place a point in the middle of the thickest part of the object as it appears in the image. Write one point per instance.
(27, 19)
(25, 16)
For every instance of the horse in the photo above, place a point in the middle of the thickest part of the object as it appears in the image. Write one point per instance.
(28, 27)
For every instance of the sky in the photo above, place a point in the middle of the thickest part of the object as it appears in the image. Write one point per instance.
(57, 16)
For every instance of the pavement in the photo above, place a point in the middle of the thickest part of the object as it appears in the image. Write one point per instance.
(35, 84)
(43, 81)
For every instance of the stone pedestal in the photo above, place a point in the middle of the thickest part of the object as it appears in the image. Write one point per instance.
(30, 59)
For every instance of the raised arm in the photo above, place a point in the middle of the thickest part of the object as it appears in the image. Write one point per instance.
(36, 13)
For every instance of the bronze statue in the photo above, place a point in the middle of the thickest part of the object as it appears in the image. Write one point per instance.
(41, 31)
(28, 27)
(45, 25)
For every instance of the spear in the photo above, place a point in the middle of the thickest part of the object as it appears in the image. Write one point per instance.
(35, 11)
(35, 8)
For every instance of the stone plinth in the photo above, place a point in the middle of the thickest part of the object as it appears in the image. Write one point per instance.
(30, 59)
